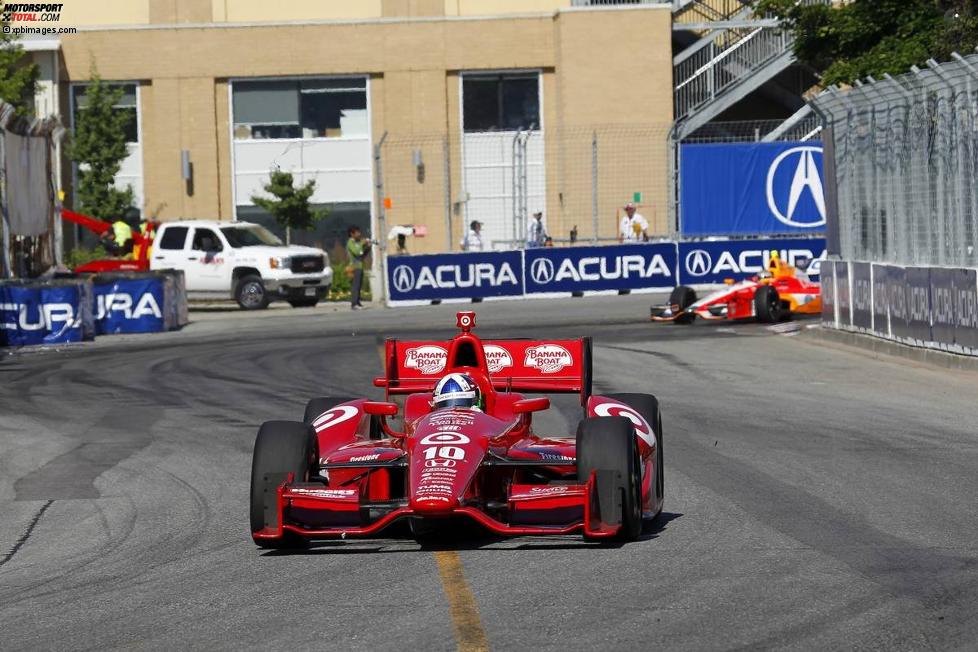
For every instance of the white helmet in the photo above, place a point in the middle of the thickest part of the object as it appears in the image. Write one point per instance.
(457, 390)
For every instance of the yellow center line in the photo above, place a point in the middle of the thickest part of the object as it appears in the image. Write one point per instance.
(469, 633)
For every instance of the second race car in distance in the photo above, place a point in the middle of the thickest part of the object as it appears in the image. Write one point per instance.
(770, 297)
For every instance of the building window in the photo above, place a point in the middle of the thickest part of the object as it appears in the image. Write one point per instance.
(126, 105)
(300, 108)
(500, 102)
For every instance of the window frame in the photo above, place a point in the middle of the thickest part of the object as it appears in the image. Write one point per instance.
(167, 230)
(232, 124)
(515, 72)
(73, 108)
(215, 234)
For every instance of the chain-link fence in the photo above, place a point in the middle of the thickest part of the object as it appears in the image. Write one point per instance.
(579, 179)
(906, 156)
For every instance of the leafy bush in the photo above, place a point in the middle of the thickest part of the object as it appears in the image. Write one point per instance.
(342, 285)
(78, 257)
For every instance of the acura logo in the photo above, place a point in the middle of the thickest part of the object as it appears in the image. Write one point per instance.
(403, 278)
(542, 271)
(806, 178)
(699, 262)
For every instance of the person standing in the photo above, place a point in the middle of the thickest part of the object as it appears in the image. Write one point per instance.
(537, 233)
(357, 249)
(633, 227)
(473, 239)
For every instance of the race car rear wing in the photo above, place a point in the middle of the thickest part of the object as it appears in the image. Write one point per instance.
(546, 366)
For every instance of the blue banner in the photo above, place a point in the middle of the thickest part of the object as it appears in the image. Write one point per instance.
(40, 315)
(621, 267)
(455, 276)
(752, 189)
(129, 306)
(715, 261)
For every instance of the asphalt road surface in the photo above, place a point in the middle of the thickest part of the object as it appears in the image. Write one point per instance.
(816, 498)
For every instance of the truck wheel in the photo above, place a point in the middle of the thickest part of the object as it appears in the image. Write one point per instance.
(768, 306)
(281, 447)
(648, 406)
(683, 296)
(250, 293)
(304, 302)
(608, 444)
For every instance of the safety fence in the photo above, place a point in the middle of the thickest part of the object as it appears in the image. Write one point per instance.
(934, 307)
(66, 310)
(563, 271)
(30, 227)
(905, 163)
(579, 178)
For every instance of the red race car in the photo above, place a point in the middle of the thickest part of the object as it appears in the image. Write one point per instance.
(346, 472)
(771, 297)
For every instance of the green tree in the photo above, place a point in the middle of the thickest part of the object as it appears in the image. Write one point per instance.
(18, 76)
(290, 206)
(851, 41)
(98, 147)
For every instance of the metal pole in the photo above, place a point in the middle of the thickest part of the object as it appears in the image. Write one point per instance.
(57, 241)
(381, 258)
(4, 218)
(594, 186)
(446, 154)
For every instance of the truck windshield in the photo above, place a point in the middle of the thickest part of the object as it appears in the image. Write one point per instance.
(250, 236)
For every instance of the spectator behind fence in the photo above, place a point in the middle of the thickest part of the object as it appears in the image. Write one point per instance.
(537, 232)
(633, 227)
(357, 250)
(473, 239)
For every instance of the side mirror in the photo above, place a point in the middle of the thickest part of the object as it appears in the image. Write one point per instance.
(380, 408)
(531, 405)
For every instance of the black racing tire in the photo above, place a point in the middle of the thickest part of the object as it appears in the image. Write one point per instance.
(683, 296)
(768, 306)
(648, 406)
(304, 302)
(608, 444)
(250, 293)
(281, 447)
(317, 406)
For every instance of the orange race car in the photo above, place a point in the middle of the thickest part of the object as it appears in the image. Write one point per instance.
(769, 297)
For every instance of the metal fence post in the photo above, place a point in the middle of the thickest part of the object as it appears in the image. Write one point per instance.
(594, 186)
(446, 156)
(4, 217)
(381, 258)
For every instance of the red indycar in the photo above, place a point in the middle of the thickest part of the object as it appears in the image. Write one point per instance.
(770, 297)
(345, 471)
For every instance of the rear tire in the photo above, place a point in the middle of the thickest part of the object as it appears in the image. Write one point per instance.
(250, 293)
(648, 406)
(768, 306)
(683, 296)
(608, 444)
(281, 447)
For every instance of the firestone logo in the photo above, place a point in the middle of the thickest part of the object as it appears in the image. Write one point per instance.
(497, 358)
(428, 359)
(548, 358)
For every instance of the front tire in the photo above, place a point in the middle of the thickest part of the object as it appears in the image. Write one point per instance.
(608, 444)
(680, 298)
(768, 306)
(648, 406)
(281, 447)
(250, 293)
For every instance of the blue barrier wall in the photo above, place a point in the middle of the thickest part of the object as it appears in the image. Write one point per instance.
(648, 266)
(129, 305)
(751, 189)
(715, 261)
(579, 269)
(455, 276)
(34, 314)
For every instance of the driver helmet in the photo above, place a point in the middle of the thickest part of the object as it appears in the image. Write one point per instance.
(457, 390)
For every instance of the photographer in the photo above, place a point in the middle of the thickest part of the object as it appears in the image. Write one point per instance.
(357, 249)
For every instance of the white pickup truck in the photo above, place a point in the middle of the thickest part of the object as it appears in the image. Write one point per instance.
(242, 261)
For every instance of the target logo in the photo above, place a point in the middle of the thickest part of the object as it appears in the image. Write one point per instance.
(642, 427)
(334, 416)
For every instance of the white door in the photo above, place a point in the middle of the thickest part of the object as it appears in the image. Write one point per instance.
(207, 261)
(170, 250)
